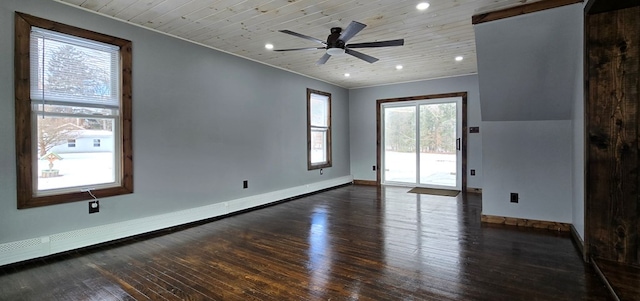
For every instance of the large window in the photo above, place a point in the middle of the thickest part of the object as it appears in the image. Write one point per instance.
(318, 129)
(73, 88)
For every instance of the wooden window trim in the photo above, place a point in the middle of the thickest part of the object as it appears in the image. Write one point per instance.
(24, 152)
(329, 162)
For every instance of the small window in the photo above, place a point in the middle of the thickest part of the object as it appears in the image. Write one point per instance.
(318, 129)
(71, 83)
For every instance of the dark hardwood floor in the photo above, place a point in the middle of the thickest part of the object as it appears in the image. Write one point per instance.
(624, 279)
(350, 243)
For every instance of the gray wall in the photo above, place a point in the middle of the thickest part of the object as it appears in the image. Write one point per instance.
(362, 120)
(526, 65)
(533, 159)
(529, 71)
(203, 121)
(578, 132)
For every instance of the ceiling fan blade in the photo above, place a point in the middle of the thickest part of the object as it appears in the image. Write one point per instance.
(398, 42)
(299, 35)
(323, 59)
(361, 55)
(294, 49)
(351, 30)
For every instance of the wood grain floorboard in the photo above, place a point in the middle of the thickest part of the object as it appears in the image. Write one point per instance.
(350, 243)
(624, 279)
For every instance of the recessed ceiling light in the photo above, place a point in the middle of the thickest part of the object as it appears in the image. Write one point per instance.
(422, 6)
(459, 58)
(347, 75)
(399, 67)
(268, 46)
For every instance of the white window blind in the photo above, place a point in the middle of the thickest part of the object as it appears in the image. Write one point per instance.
(68, 70)
(319, 110)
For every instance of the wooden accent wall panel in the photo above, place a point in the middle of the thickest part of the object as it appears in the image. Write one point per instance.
(613, 68)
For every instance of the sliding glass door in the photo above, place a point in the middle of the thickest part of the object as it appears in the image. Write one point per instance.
(421, 143)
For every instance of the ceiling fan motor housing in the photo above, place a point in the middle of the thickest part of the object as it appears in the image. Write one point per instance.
(333, 40)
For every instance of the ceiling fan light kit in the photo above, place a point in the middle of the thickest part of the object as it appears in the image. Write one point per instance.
(336, 43)
(335, 51)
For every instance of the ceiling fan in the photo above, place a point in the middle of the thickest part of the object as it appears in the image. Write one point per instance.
(336, 43)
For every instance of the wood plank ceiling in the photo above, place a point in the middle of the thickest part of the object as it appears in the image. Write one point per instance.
(433, 37)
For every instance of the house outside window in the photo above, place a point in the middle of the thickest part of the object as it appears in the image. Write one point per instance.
(71, 83)
(318, 129)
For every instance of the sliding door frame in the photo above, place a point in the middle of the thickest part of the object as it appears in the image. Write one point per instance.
(379, 103)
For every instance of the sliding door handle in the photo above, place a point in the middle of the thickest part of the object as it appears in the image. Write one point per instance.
(458, 144)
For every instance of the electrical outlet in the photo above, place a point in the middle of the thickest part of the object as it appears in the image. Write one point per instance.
(514, 197)
(374, 168)
(473, 172)
(245, 184)
(94, 207)
(321, 171)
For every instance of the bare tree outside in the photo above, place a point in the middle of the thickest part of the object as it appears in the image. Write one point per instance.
(54, 131)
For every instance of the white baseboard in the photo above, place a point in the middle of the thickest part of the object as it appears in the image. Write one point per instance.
(17, 251)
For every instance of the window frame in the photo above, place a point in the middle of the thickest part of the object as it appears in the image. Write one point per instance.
(328, 162)
(25, 160)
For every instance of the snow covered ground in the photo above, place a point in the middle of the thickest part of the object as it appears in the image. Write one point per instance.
(435, 169)
(78, 169)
